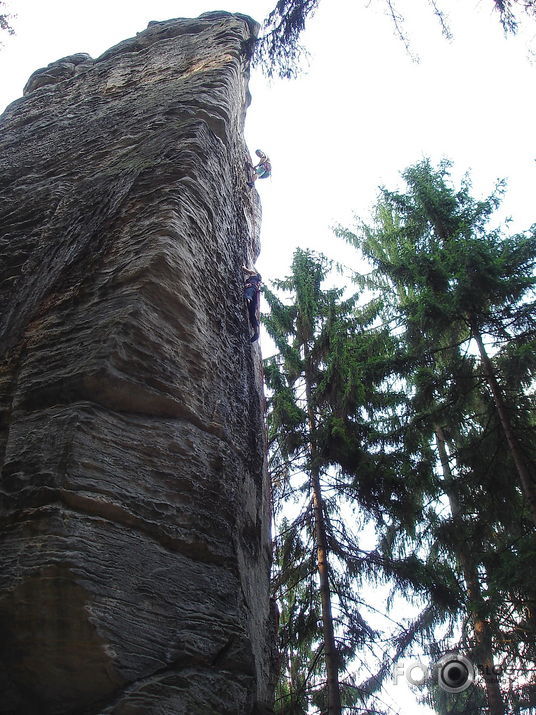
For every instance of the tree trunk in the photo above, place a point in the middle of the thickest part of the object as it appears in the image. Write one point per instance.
(527, 484)
(484, 644)
(330, 649)
(481, 628)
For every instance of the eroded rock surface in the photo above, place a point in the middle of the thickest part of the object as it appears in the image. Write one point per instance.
(134, 554)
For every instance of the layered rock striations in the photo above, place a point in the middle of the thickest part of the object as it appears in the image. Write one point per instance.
(134, 555)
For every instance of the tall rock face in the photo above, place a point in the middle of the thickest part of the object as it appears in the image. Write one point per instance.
(135, 546)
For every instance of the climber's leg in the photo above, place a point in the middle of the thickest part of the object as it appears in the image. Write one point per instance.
(252, 312)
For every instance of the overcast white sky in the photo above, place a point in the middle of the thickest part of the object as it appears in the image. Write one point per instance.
(362, 113)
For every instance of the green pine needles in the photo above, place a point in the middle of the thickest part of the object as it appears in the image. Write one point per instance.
(403, 455)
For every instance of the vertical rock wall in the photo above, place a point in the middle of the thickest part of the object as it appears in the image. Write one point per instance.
(134, 533)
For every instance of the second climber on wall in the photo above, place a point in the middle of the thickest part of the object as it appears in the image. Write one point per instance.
(252, 294)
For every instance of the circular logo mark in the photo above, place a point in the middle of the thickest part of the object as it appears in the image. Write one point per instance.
(455, 673)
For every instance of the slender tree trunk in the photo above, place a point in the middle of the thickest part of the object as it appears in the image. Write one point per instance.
(484, 644)
(330, 650)
(481, 628)
(527, 485)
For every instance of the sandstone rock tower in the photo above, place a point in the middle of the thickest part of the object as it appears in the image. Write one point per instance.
(134, 526)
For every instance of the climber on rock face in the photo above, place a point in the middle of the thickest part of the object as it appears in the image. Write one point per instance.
(262, 170)
(252, 292)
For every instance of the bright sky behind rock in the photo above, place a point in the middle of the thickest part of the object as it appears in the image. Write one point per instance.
(362, 112)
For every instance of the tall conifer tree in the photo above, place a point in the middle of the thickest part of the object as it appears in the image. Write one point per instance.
(325, 381)
(455, 278)
(296, 330)
(448, 280)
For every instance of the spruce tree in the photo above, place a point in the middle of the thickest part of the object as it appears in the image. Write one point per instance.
(325, 383)
(294, 420)
(455, 278)
(445, 280)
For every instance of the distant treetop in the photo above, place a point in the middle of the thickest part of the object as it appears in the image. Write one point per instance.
(5, 18)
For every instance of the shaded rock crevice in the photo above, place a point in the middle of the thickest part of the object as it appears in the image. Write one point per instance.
(134, 500)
